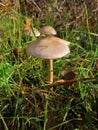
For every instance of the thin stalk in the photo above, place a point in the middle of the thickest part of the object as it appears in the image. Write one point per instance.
(45, 115)
(4, 123)
(50, 71)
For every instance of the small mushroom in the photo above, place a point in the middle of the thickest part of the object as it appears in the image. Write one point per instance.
(49, 48)
(29, 30)
(32, 32)
(47, 30)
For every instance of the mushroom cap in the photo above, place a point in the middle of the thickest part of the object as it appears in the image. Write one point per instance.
(48, 30)
(49, 47)
(31, 32)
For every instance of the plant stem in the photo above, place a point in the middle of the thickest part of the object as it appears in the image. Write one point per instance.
(50, 71)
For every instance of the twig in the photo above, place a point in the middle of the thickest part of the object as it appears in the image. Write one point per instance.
(35, 4)
(66, 82)
(2, 4)
(95, 10)
(51, 92)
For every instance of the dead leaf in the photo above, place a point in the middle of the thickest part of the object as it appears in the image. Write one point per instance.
(16, 52)
(66, 83)
(96, 65)
(70, 75)
(28, 24)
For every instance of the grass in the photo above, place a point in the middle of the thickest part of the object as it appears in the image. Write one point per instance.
(26, 102)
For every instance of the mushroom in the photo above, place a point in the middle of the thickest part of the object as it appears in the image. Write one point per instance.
(47, 30)
(31, 32)
(49, 48)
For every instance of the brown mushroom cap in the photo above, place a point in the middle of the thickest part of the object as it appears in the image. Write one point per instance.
(48, 30)
(49, 47)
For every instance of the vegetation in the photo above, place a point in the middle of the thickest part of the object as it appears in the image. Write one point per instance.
(26, 101)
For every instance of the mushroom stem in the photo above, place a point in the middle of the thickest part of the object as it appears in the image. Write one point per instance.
(50, 71)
